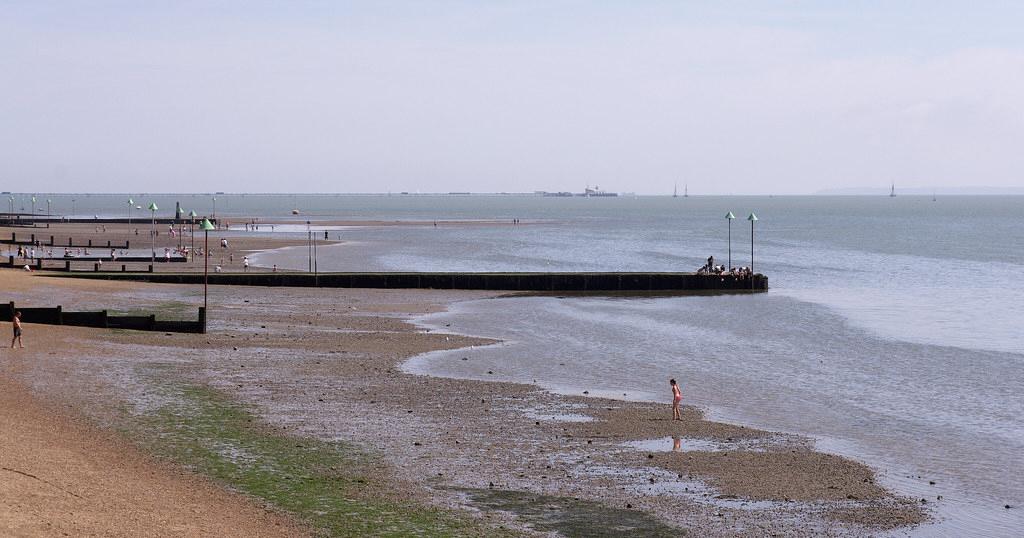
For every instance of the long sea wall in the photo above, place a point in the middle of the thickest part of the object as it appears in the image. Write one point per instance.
(551, 282)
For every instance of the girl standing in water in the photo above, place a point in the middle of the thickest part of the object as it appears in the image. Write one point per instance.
(677, 396)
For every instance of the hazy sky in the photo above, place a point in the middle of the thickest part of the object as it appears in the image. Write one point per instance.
(727, 97)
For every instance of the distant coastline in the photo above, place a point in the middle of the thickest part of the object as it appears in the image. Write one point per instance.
(924, 191)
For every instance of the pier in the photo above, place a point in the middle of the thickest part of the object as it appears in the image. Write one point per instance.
(586, 282)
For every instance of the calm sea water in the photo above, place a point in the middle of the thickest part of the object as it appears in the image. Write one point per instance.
(891, 332)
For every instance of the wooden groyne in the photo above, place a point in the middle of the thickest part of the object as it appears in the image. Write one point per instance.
(102, 319)
(540, 282)
(32, 241)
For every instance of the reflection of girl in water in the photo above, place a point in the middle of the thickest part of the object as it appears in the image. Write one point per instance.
(677, 396)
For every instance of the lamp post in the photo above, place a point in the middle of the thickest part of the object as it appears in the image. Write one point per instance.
(309, 246)
(752, 218)
(730, 217)
(214, 207)
(130, 204)
(11, 199)
(152, 232)
(205, 226)
(33, 210)
(192, 232)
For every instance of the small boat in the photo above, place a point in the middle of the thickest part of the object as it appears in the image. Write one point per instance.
(295, 212)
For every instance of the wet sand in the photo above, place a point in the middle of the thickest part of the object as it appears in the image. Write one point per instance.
(327, 365)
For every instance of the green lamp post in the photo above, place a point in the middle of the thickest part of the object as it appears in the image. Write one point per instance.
(730, 218)
(205, 226)
(152, 232)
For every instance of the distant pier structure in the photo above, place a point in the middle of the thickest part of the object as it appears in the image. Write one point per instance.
(557, 282)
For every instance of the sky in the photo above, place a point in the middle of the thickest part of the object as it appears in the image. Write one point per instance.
(763, 97)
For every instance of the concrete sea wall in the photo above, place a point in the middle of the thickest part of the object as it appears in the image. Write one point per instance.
(550, 282)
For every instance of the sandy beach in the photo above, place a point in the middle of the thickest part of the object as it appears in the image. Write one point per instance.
(324, 368)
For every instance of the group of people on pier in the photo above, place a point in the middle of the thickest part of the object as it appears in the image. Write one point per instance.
(711, 269)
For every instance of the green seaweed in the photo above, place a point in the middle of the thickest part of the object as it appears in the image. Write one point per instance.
(572, 517)
(328, 485)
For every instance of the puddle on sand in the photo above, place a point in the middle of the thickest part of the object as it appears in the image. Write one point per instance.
(688, 444)
(558, 417)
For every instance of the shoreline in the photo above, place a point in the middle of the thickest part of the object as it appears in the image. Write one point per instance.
(890, 475)
(328, 367)
(952, 507)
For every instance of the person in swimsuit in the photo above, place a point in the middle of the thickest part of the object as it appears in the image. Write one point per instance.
(16, 323)
(677, 396)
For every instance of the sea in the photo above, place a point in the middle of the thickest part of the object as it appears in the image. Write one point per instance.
(891, 331)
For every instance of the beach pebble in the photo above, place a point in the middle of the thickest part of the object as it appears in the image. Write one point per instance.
(1006, 506)
(629, 505)
(417, 443)
(490, 372)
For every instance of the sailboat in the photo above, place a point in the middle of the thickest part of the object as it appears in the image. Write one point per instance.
(675, 190)
(686, 191)
(892, 192)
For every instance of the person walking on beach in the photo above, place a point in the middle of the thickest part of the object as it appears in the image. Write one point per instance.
(16, 323)
(677, 396)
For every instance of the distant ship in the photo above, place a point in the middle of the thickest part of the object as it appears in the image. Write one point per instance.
(595, 192)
